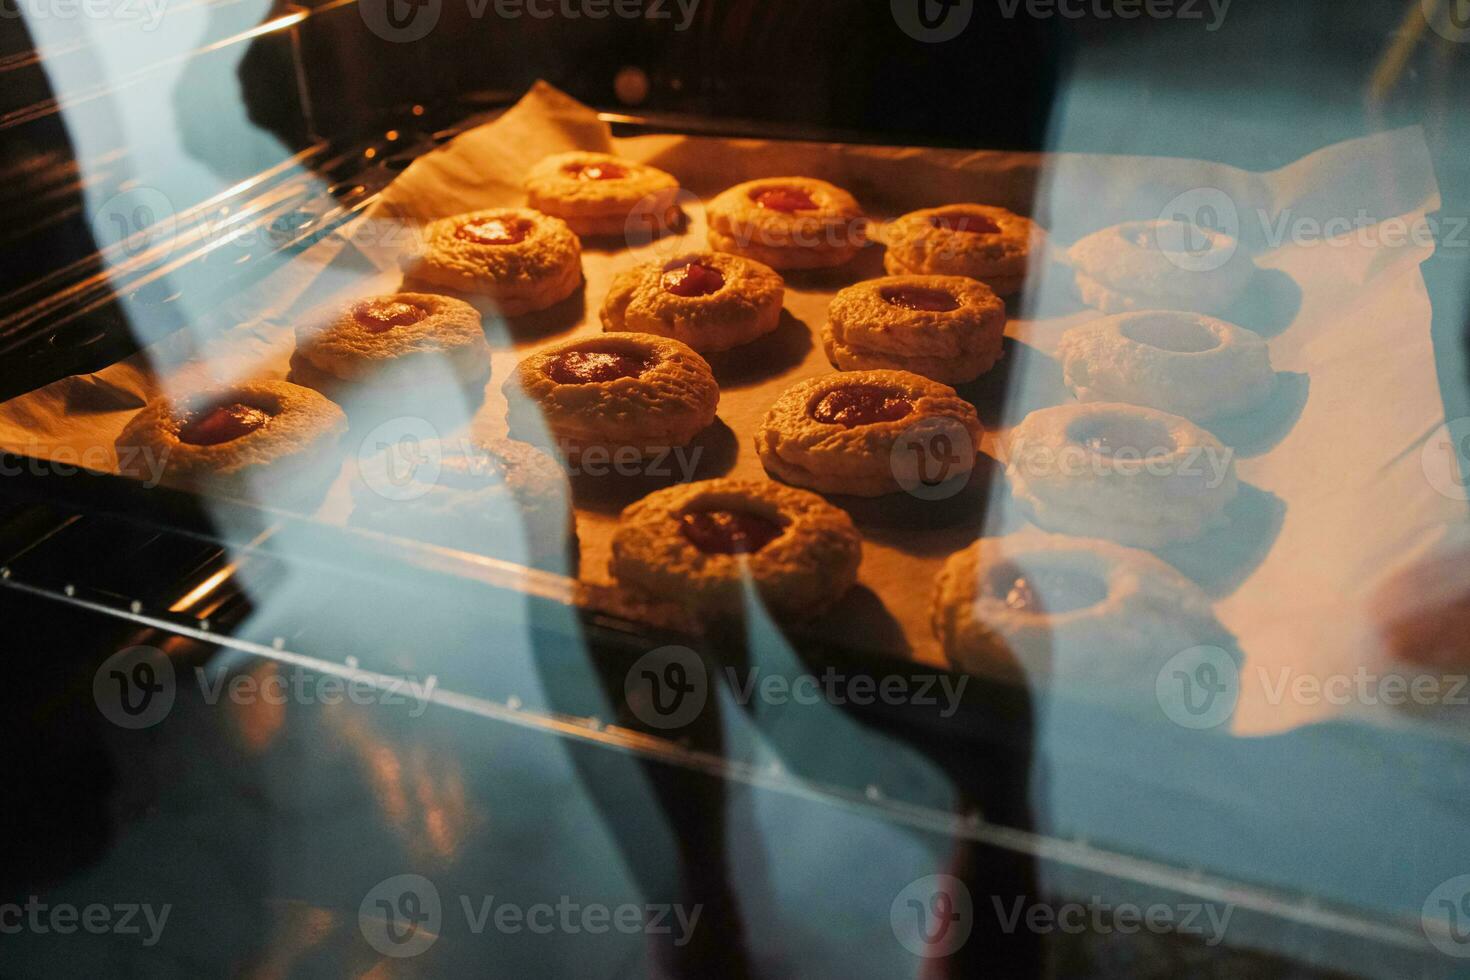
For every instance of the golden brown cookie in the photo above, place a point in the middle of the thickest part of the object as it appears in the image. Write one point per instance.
(841, 433)
(522, 259)
(949, 328)
(1160, 265)
(397, 341)
(497, 497)
(711, 301)
(1187, 364)
(976, 240)
(1059, 607)
(699, 544)
(787, 223)
(617, 392)
(1135, 475)
(265, 441)
(594, 193)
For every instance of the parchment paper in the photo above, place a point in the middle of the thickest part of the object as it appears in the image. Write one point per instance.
(1333, 487)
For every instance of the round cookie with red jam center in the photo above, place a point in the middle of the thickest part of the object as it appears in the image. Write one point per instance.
(976, 240)
(496, 497)
(594, 193)
(1136, 475)
(271, 442)
(395, 341)
(837, 434)
(787, 223)
(1071, 610)
(699, 543)
(522, 259)
(949, 328)
(1184, 363)
(617, 393)
(1160, 265)
(711, 301)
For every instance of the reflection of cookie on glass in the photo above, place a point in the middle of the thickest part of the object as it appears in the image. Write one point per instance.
(594, 193)
(976, 240)
(1136, 475)
(497, 497)
(1076, 608)
(617, 392)
(949, 328)
(397, 341)
(837, 434)
(787, 223)
(701, 544)
(1160, 265)
(1184, 363)
(268, 441)
(711, 301)
(522, 259)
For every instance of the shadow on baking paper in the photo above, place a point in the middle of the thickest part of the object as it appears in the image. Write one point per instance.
(774, 354)
(1262, 429)
(1268, 305)
(1226, 556)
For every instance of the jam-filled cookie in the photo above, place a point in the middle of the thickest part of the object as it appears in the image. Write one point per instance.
(269, 441)
(1071, 608)
(1136, 475)
(700, 543)
(711, 301)
(787, 223)
(949, 328)
(840, 433)
(976, 240)
(1160, 265)
(615, 392)
(594, 193)
(1186, 364)
(399, 340)
(522, 259)
(497, 497)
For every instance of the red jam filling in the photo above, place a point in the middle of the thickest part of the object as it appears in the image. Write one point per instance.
(494, 231)
(470, 472)
(694, 279)
(581, 367)
(221, 423)
(918, 298)
(597, 171)
(974, 224)
(785, 199)
(728, 532)
(853, 405)
(379, 315)
(1047, 590)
